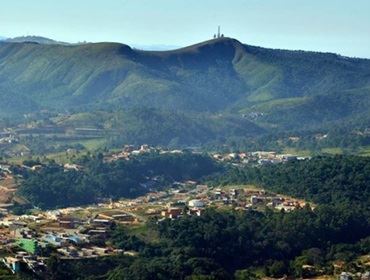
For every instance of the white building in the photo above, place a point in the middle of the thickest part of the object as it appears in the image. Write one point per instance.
(196, 203)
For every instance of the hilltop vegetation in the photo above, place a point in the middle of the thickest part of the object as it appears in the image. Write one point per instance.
(215, 87)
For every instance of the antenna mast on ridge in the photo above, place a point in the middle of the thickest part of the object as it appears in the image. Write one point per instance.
(218, 35)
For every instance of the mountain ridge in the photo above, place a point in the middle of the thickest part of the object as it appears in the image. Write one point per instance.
(274, 89)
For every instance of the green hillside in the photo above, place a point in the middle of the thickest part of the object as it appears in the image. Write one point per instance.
(221, 87)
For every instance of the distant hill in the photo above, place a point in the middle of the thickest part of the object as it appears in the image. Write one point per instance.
(34, 39)
(216, 79)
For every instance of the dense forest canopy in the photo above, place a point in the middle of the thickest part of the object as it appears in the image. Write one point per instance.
(53, 186)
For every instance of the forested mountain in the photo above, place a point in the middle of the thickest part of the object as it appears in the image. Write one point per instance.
(215, 79)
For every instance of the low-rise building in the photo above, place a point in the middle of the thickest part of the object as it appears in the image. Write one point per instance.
(196, 203)
(172, 213)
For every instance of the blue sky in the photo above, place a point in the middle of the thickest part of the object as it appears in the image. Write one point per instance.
(340, 26)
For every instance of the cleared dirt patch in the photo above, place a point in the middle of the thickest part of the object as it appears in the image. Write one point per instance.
(8, 187)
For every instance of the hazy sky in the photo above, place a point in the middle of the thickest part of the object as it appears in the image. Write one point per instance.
(341, 26)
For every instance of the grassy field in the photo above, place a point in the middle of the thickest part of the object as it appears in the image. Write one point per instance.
(144, 233)
(61, 157)
(90, 145)
(246, 187)
(364, 151)
(332, 151)
(93, 144)
(301, 153)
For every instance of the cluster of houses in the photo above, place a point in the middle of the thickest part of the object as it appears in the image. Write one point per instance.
(4, 170)
(353, 276)
(23, 260)
(258, 157)
(8, 139)
(194, 207)
(236, 158)
(28, 237)
(73, 235)
(129, 151)
(251, 199)
(10, 145)
(195, 201)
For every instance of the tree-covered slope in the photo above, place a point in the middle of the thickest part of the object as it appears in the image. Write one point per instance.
(287, 89)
